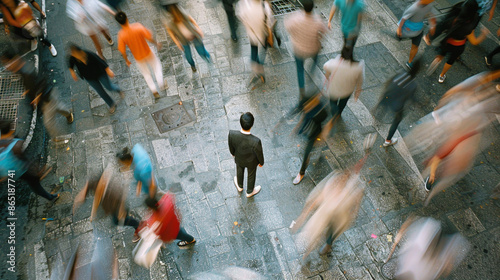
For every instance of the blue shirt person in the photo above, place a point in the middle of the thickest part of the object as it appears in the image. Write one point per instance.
(138, 159)
(350, 21)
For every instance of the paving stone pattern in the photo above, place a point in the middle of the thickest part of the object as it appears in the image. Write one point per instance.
(193, 161)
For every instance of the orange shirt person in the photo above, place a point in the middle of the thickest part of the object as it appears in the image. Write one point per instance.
(135, 36)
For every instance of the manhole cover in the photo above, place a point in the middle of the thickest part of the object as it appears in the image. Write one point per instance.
(171, 118)
(281, 7)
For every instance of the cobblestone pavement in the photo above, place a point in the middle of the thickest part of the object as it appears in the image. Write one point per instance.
(193, 160)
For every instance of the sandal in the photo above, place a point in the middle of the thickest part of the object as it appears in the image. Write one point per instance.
(185, 243)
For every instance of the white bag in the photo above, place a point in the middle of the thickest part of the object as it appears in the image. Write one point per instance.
(147, 249)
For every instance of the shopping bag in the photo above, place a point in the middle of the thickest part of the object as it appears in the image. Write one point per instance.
(147, 249)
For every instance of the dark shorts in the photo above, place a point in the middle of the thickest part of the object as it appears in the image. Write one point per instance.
(454, 51)
(417, 39)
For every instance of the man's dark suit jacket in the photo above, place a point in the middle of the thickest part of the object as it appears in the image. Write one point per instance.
(246, 149)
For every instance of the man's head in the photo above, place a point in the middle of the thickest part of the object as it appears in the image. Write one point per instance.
(6, 128)
(246, 121)
(347, 53)
(125, 157)
(121, 18)
(308, 5)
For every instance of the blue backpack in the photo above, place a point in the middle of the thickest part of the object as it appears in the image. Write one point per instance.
(9, 161)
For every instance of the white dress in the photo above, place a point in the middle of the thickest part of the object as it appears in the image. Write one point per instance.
(88, 15)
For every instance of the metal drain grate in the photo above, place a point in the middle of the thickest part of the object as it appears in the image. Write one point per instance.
(11, 87)
(8, 110)
(171, 118)
(281, 7)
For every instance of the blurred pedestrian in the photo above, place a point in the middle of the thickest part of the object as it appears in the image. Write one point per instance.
(411, 25)
(88, 16)
(258, 19)
(95, 71)
(454, 45)
(314, 113)
(138, 159)
(168, 219)
(231, 17)
(15, 165)
(111, 196)
(247, 152)
(135, 36)
(489, 58)
(40, 91)
(306, 30)
(184, 30)
(350, 22)
(344, 77)
(19, 16)
(399, 91)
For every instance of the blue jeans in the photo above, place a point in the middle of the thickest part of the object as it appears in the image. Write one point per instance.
(106, 82)
(300, 69)
(200, 48)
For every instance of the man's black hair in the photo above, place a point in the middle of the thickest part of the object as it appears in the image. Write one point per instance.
(246, 121)
(151, 202)
(121, 18)
(347, 53)
(5, 126)
(124, 155)
(308, 5)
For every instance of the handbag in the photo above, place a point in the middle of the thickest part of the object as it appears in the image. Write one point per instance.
(146, 251)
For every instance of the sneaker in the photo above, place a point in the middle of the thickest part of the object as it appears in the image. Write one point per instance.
(298, 179)
(409, 65)
(393, 141)
(112, 109)
(487, 60)
(236, 184)
(441, 79)
(156, 95)
(52, 50)
(70, 118)
(256, 190)
(34, 44)
(326, 249)
(136, 238)
(193, 68)
(110, 41)
(427, 184)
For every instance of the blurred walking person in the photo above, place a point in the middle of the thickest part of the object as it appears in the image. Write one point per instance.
(19, 16)
(12, 158)
(411, 25)
(350, 22)
(40, 91)
(138, 159)
(247, 152)
(258, 19)
(231, 17)
(395, 99)
(184, 30)
(345, 77)
(88, 16)
(306, 30)
(135, 37)
(95, 71)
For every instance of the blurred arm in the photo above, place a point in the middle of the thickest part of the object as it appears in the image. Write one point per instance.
(332, 13)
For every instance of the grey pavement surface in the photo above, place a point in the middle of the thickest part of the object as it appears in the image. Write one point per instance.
(193, 160)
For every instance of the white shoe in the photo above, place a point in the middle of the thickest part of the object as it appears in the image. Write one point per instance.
(236, 184)
(298, 179)
(52, 50)
(256, 190)
(394, 140)
(34, 44)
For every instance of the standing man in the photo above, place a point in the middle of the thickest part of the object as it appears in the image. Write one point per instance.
(350, 22)
(247, 152)
(231, 17)
(306, 30)
(411, 25)
(135, 36)
(41, 93)
(258, 19)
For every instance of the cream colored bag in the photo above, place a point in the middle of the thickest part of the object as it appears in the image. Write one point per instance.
(147, 249)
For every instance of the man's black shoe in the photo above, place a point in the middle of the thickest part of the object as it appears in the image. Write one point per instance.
(427, 184)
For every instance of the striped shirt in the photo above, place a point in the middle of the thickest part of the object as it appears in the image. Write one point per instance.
(305, 33)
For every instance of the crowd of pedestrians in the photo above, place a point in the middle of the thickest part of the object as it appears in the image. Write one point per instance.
(331, 208)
